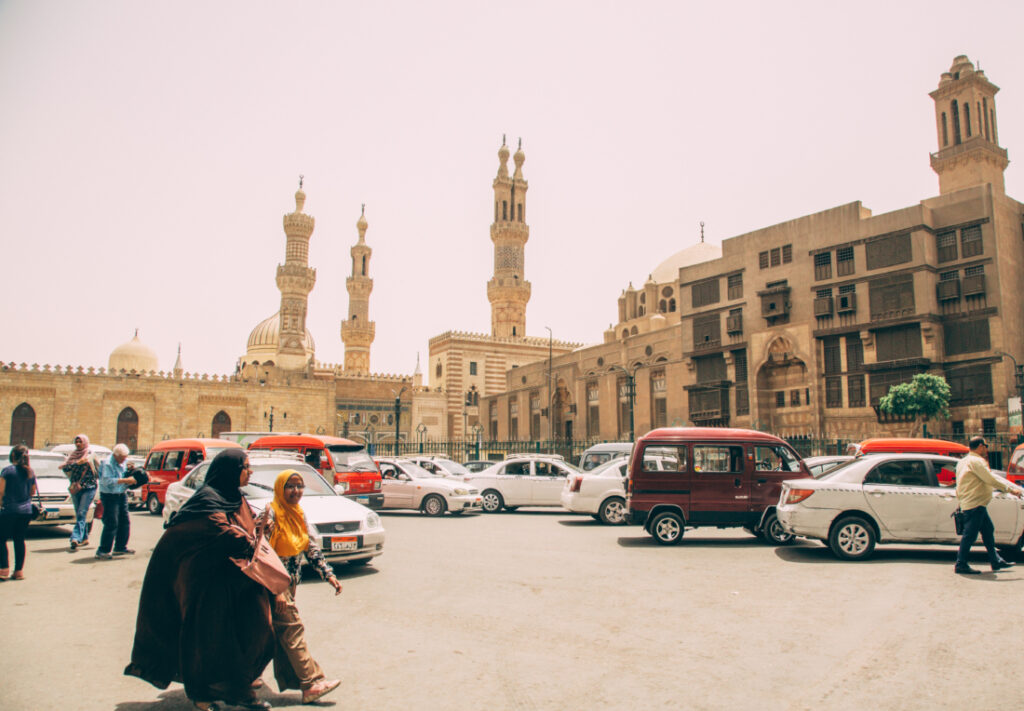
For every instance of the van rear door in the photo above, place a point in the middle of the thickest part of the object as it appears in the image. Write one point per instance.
(719, 488)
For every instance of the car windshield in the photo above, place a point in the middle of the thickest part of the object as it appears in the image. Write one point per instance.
(352, 460)
(212, 452)
(453, 467)
(46, 467)
(261, 483)
(841, 470)
(416, 471)
(607, 467)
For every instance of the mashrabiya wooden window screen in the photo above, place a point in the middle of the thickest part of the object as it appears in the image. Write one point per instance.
(970, 241)
(888, 251)
(710, 369)
(898, 343)
(844, 261)
(892, 297)
(945, 243)
(735, 285)
(707, 330)
(966, 337)
(704, 293)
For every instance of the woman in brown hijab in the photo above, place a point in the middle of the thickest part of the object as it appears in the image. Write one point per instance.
(201, 620)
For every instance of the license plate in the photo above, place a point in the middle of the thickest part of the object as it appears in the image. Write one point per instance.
(345, 543)
(52, 513)
(363, 499)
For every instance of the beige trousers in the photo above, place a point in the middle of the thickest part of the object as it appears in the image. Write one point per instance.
(294, 667)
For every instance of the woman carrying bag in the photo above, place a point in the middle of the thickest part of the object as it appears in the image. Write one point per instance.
(17, 486)
(82, 471)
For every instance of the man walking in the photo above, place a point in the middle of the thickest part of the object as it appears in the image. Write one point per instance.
(974, 486)
(113, 485)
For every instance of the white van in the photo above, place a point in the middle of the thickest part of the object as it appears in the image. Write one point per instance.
(601, 453)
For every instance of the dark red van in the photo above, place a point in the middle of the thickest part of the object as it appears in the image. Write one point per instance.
(685, 477)
(342, 461)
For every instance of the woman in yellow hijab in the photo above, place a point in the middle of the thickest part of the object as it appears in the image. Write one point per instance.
(290, 537)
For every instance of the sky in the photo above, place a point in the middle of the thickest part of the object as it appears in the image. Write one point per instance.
(148, 151)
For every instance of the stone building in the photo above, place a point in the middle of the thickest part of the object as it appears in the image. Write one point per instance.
(800, 328)
(468, 366)
(277, 385)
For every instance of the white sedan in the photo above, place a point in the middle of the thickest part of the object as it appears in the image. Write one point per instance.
(600, 492)
(522, 481)
(347, 531)
(887, 498)
(408, 486)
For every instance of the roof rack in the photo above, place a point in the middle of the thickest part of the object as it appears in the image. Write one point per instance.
(276, 453)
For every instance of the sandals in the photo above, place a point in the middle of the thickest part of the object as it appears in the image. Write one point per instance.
(319, 689)
(18, 575)
(5, 573)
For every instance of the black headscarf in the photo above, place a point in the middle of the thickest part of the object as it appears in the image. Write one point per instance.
(220, 492)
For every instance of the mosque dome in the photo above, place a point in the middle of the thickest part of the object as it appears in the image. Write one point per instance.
(695, 254)
(264, 338)
(133, 355)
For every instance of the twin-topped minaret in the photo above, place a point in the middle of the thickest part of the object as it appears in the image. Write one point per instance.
(508, 291)
(295, 279)
(358, 330)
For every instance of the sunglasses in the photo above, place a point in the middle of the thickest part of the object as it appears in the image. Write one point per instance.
(294, 486)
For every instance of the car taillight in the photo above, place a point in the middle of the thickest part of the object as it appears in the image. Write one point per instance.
(576, 483)
(795, 496)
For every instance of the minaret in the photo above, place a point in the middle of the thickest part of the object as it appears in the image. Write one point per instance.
(178, 370)
(295, 280)
(357, 332)
(508, 291)
(965, 120)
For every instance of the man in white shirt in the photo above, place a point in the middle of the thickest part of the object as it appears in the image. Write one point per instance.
(974, 486)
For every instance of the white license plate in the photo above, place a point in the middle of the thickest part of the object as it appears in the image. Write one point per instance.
(346, 543)
(363, 499)
(52, 513)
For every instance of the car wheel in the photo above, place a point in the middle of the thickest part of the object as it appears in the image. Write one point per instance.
(434, 505)
(613, 511)
(852, 538)
(492, 501)
(774, 533)
(153, 505)
(667, 528)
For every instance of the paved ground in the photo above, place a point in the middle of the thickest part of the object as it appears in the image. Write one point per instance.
(546, 610)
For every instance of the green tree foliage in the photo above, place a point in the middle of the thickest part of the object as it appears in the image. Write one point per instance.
(924, 397)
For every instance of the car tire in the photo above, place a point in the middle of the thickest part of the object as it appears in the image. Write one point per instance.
(613, 511)
(667, 528)
(434, 505)
(773, 532)
(153, 505)
(491, 501)
(852, 538)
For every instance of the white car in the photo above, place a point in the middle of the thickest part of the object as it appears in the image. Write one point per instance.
(439, 465)
(600, 492)
(887, 498)
(522, 481)
(347, 531)
(408, 486)
(52, 484)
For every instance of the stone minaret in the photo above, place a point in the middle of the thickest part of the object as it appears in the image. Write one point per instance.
(508, 291)
(965, 119)
(357, 332)
(295, 280)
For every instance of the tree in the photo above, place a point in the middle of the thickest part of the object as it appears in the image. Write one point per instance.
(924, 397)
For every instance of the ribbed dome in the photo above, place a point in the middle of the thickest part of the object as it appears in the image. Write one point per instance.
(263, 339)
(133, 355)
(700, 252)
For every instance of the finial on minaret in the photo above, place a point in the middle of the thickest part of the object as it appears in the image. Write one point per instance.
(520, 143)
(136, 333)
(300, 181)
(503, 139)
(362, 210)
(702, 231)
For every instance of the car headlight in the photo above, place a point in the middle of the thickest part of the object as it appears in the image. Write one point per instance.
(461, 492)
(371, 521)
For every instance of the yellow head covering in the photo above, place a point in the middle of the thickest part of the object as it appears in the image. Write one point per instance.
(290, 535)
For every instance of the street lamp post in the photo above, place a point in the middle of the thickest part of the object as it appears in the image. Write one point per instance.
(630, 393)
(421, 431)
(284, 416)
(551, 415)
(477, 432)
(398, 414)
(371, 446)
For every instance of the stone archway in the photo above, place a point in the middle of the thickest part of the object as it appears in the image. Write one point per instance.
(128, 428)
(784, 391)
(221, 423)
(23, 426)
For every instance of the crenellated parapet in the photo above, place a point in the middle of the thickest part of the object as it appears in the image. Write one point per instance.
(48, 369)
(485, 338)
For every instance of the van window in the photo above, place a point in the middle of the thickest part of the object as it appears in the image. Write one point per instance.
(154, 460)
(194, 457)
(172, 462)
(717, 458)
(352, 460)
(665, 458)
(775, 458)
(313, 457)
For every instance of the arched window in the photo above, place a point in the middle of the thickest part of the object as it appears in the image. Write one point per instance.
(954, 109)
(128, 428)
(671, 305)
(364, 265)
(504, 209)
(945, 130)
(640, 311)
(437, 370)
(221, 423)
(625, 333)
(519, 210)
(23, 426)
(633, 331)
(662, 306)
(967, 118)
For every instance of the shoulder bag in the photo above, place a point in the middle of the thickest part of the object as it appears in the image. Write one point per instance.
(265, 567)
(38, 511)
(958, 521)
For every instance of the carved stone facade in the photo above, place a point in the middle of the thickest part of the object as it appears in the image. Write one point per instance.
(800, 328)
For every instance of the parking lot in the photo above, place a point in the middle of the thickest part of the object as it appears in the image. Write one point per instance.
(542, 609)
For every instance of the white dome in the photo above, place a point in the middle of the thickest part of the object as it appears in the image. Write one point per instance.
(668, 271)
(133, 355)
(264, 339)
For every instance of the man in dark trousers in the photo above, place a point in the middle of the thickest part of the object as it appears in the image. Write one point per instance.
(974, 486)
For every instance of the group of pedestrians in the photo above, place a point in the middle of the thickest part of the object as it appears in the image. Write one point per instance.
(202, 621)
(85, 475)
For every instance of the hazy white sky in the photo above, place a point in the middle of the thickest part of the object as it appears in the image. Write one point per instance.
(148, 151)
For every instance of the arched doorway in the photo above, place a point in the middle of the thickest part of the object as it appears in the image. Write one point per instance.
(221, 423)
(23, 426)
(128, 428)
(783, 392)
(564, 411)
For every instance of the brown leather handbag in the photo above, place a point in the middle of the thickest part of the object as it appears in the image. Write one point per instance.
(265, 567)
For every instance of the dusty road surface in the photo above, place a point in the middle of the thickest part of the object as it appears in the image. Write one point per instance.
(541, 609)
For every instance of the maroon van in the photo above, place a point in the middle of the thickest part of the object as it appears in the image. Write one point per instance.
(685, 477)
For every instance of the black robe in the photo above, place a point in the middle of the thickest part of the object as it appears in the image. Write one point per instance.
(201, 620)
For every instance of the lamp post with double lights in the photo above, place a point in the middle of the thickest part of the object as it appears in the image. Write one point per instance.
(421, 432)
(630, 392)
(551, 415)
(284, 416)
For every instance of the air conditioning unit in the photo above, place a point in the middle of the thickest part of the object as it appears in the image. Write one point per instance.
(949, 290)
(974, 285)
(823, 306)
(847, 303)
